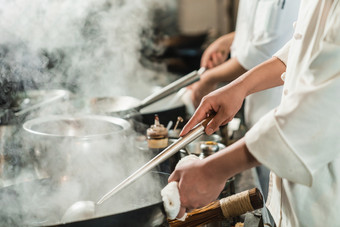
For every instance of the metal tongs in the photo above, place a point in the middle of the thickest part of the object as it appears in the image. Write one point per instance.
(197, 131)
(171, 88)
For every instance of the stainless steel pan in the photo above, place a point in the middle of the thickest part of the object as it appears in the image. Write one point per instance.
(125, 105)
(60, 145)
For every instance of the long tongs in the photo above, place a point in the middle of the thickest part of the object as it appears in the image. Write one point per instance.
(171, 88)
(197, 131)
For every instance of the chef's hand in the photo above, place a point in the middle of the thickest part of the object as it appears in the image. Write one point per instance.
(217, 52)
(197, 185)
(225, 102)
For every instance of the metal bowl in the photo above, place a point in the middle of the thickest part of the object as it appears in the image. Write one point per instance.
(74, 145)
(196, 148)
(86, 126)
(24, 105)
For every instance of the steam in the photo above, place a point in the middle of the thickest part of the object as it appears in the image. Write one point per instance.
(92, 48)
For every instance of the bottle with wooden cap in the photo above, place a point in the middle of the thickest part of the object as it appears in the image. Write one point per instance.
(157, 135)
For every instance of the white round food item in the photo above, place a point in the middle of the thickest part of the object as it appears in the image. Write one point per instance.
(79, 211)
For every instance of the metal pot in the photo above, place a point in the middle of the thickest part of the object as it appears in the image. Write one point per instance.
(62, 145)
(23, 106)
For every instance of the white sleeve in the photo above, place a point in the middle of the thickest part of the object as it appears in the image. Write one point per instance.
(272, 29)
(252, 55)
(282, 54)
(303, 134)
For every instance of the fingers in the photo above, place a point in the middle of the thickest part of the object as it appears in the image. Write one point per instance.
(199, 115)
(205, 59)
(173, 177)
(216, 122)
(210, 64)
(210, 60)
(191, 86)
(216, 58)
(181, 213)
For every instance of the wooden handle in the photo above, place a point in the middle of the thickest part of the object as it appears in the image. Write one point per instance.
(206, 121)
(241, 203)
(228, 207)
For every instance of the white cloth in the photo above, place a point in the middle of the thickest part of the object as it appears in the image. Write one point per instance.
(299, 140)
(263, 27)
(170, 193)
(171, 199)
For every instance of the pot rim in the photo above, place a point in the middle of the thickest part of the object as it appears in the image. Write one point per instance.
(27, 126)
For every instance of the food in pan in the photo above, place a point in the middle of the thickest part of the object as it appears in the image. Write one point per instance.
(80, 210)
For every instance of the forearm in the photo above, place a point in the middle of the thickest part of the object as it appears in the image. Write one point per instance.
(261, 77)
(229, 37)
(226, 101)
(231, 160)
(226, 72)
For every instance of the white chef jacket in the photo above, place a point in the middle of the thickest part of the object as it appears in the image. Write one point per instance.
(300, 140)
(263, 27)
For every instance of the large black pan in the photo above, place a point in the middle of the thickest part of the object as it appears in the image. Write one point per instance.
(37, 207)
(148, 216)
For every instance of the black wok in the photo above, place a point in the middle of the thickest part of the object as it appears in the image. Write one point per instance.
(32, 210)
(149, 216)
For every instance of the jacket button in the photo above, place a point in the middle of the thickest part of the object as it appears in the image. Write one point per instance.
(283, 76)
(297, 36)
(285, 91)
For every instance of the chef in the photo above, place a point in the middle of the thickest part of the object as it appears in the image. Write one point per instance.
(298, 140)
(262, 28)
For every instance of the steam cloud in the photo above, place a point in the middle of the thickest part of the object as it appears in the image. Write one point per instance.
(91, 47)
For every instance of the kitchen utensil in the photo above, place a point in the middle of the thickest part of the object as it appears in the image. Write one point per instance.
(87, 209)
(59, 145)
(39, 203)
(126, 105)
(161, 157)
(24, 105)
(34, 99)
(228, 207)
(208, 148)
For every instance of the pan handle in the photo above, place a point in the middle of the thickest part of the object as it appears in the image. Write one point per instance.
(227, 207)
(172, 88)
